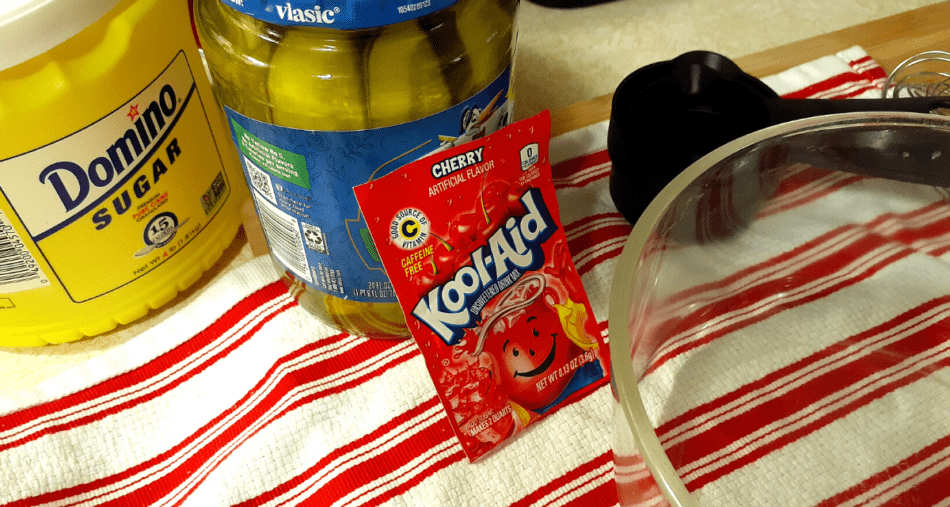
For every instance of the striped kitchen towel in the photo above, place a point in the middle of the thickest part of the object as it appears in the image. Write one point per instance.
(242, 399)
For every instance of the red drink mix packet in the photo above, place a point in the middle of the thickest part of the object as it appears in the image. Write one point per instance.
(472, 242)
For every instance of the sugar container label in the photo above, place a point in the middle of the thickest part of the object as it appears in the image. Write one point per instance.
(128, 191)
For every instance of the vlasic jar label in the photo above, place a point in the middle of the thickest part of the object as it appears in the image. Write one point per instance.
(339, 14)
(124, 194)
(302, 184)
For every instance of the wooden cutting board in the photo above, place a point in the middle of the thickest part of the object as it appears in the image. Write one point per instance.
(889, 41)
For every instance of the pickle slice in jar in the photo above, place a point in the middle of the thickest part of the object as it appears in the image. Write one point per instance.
(404, 77)
(239, 49)
(442, 32)
(316, 80)
(486, 28)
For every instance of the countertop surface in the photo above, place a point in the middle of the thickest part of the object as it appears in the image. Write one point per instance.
(242, 397)
(570, 55)
(566, 56)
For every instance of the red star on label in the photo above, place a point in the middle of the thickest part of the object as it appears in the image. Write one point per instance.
(133, 112)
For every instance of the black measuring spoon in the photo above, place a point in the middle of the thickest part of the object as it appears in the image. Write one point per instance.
(667, 115)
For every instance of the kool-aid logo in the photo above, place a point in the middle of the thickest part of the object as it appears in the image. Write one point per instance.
(513, 249)
(75, 183)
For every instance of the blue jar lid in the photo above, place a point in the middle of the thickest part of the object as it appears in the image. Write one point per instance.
(338, 14)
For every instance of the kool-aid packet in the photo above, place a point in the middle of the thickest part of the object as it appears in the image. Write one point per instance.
(471, 239)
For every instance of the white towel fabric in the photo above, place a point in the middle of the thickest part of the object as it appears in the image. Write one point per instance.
(242, 399)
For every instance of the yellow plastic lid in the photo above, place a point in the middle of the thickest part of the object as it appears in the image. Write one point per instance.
(32, 27)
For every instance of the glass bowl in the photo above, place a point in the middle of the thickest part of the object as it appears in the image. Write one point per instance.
(780, 322)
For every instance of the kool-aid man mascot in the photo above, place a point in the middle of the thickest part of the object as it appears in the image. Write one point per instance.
(539, 347)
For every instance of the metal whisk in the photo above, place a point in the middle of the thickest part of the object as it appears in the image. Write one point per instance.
(916, 77)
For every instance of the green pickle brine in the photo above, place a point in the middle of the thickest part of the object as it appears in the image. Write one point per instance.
(323, 97)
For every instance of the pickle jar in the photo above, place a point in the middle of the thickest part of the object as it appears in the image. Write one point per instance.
(323, 97)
